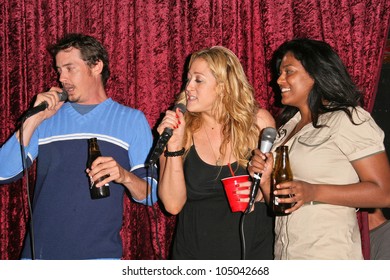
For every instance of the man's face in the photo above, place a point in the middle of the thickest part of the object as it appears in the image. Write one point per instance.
(77, 78)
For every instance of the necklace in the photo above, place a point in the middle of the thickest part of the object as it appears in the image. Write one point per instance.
(218, 161)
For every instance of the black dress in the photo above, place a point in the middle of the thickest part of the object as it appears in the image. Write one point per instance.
(207, 229)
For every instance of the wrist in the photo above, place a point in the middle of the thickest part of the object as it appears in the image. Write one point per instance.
(175, 153)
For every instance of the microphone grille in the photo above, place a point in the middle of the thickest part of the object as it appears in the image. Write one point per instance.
(181, 107)
(268, 134)
(63, 95)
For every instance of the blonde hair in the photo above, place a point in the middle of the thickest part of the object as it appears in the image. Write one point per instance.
(235, 108)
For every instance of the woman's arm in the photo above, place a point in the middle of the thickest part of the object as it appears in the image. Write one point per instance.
(263, 164)
(264, 119)
(172, 189)
(259, 162)
(373, 190)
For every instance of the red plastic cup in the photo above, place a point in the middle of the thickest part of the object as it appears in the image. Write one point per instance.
(232, 185)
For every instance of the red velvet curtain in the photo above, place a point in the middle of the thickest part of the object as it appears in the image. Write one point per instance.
(148, 42)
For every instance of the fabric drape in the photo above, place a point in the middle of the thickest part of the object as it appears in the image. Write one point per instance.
(149, 43)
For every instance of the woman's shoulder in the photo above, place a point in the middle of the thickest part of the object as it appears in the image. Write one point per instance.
(264, 118)
(358, 114)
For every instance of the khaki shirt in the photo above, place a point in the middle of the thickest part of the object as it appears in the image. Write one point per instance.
(323, 156)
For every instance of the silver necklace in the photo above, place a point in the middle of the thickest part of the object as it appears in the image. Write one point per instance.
(218, 161)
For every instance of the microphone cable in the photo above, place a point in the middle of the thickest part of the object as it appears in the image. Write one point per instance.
(253, 192)
(159, 253)
(62, 97)
(25, 171)
(268, 136)
(242, 236)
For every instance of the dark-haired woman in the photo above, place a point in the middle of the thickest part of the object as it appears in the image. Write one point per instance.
(336, 152)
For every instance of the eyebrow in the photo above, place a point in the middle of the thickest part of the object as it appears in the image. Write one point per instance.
(65, 65)
(196, 73)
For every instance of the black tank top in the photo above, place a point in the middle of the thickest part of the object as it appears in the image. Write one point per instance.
(206, 227)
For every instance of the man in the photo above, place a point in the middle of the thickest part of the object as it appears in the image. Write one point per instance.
(379, 227)
(68, 224)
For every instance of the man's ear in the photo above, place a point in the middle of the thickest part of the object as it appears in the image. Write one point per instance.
(97, 68)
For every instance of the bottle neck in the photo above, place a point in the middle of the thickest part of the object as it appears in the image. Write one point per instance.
(93, 145)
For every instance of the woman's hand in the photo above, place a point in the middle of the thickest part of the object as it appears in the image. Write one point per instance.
(243, 193)
(175, 121)
(261, 163)
(298, 193)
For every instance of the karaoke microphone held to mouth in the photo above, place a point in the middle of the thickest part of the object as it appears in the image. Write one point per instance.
(43, 105)
(164, 138)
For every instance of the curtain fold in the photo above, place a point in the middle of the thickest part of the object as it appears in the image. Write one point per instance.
(148, 43)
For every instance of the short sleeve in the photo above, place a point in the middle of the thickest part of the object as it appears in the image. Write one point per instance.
(361, 140)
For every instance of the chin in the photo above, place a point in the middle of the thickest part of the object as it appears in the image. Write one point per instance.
(73, 99)
(191, 108)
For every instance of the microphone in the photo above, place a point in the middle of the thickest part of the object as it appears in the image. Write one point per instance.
(42, 106)
(268, 137)
(164, 138)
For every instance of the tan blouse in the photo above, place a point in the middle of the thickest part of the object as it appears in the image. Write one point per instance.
(323, 156)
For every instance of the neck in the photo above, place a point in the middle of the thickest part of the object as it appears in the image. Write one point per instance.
(96, 93)
(305, 115)
(209, 121)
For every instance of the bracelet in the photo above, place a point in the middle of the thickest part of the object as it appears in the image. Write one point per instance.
(175, 153)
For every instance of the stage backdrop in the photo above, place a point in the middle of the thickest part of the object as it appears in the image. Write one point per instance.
(148, 42)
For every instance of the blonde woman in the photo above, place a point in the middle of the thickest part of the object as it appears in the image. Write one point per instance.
(212, 140)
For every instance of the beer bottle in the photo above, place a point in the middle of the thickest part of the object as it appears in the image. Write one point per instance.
(94, 153)
(282, 173)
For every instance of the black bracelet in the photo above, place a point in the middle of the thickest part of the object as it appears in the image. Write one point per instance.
(175, 153)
